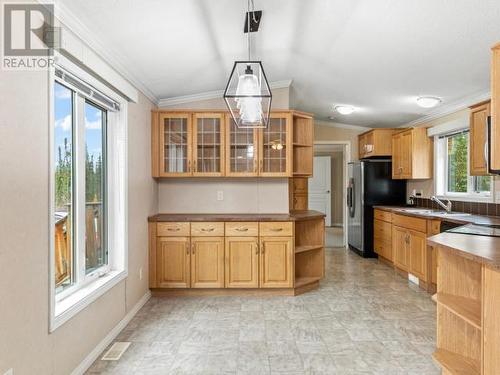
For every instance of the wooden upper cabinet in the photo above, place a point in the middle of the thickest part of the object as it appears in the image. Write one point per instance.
(242, 262)
(173, 262)
(174, 144)
(375, 142)
(275, 146)
(478, 154)
(412, 156)
(241, 150)
(276, 262)
(495, 110)
(207, 262)
(208, 144)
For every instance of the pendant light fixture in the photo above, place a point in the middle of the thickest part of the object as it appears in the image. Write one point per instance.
(247, 94)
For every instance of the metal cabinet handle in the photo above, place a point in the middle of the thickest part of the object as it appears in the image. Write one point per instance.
(256, 249)
(263, 248)
(207, 229)
(255, 165)
(187, 248)
(276, 229)
(173, 229)
(192, 248)
(242, 229)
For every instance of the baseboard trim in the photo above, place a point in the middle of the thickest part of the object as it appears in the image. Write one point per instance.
(94, 354)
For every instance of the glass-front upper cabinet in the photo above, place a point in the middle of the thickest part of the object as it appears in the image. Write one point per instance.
(241, 150)
(208, 144)
(175, 144)
(276, 146)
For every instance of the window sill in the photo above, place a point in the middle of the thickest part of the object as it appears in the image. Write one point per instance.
(80, 299)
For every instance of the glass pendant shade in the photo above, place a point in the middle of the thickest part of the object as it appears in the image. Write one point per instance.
(248, 96)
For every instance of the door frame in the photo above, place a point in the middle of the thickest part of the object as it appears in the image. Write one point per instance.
(347, 159)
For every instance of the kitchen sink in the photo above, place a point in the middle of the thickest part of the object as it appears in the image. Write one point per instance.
(450, 214)
(423, 211)
(418, 211)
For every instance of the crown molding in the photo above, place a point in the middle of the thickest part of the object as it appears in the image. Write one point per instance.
(340, 125)
(91, 39)
(175, 100)
(449, 108)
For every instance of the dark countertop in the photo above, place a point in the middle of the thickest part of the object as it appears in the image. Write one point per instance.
(459, 219)
(485, 250)
(293, 216)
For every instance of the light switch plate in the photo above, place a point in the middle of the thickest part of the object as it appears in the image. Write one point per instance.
(220, 195)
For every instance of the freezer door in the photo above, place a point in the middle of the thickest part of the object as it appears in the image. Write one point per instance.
(355, 205)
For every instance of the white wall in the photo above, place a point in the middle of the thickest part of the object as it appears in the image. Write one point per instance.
(25, 343)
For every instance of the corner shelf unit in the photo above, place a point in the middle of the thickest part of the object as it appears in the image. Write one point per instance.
(467, 333)
(309, 254)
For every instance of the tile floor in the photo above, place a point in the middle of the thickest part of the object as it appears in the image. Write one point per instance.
(364, 319)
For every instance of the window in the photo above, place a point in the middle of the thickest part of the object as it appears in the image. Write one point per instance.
(452, 169)
(88, 201)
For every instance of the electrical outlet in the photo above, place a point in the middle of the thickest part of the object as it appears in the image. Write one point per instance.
(140, 273)
(9, 372)
(220, 195)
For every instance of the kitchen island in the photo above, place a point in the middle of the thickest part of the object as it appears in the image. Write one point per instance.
(468, 303)
(236, 253)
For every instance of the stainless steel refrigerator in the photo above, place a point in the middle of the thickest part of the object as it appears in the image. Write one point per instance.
(370, 184)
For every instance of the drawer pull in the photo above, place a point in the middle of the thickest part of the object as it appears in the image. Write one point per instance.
(277, 229)
(173, 229)
(207, 229)
(242, 229)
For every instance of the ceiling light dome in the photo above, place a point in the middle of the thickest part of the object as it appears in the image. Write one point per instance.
(428, 101)
(344, 109)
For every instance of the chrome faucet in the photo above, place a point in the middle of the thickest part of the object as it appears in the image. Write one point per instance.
(446, 206)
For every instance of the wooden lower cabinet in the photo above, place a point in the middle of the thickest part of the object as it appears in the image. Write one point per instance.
(417, 248)
(382, 241)
(400, 247)
(242, 262)
(207, 262)
(276, 262)
(173, 262)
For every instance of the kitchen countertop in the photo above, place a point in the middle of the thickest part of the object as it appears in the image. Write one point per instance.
(482, 249)
(458, 219)
(292, 216)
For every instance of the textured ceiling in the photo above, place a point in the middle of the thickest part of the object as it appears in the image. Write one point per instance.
(377, 55)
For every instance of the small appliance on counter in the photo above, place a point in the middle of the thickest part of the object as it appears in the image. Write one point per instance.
(370, 184)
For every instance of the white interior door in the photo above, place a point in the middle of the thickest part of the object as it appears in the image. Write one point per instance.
(320, 187)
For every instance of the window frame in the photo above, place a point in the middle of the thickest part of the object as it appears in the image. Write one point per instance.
(70, 301)
(441, 172)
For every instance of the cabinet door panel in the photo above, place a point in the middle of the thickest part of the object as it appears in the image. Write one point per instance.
(275, 146)
(382, 241)
(207, 262)
(396, 156)
(173, 262)
(241, 150)
(417, 252)
(175, 144)
(208, 144)
(399, 247)
(406, 155)
(478, 139)
(242, 262)
(276, 262)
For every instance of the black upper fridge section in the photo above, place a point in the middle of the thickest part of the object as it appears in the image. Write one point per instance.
(379, 187)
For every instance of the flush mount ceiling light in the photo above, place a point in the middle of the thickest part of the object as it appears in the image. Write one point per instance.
(428, 101)
(344, 109)
(247, 94)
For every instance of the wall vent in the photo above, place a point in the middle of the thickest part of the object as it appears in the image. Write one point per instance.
(116, 351)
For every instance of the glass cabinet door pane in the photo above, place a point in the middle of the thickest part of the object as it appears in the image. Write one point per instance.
(175, 145)
(242, 150)
(274, 146)
(208, 145)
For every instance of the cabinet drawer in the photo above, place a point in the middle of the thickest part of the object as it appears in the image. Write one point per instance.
(209, 229)
(242, 229)
(382, 230)
(172, 229)
(281, 228)
(383, 215)
(408, 222)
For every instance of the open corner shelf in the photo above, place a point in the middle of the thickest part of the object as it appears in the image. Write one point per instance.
(304, 248)
(301, 281)
(466, 308)
(455, 363)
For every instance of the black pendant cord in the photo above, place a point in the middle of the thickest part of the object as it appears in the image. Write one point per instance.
(248, 31)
